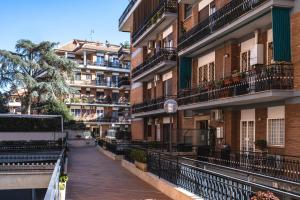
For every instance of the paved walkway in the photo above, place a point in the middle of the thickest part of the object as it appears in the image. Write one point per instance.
(93, 176)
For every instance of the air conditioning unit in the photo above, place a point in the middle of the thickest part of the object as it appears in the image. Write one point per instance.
(217, 115)
(257, 54)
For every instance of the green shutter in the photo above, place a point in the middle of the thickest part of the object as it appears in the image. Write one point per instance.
(281, 34)
(185, 72)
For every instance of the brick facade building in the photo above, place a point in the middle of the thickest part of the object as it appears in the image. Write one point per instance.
(232, 66)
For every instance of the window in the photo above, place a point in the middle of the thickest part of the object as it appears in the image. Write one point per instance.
(100, 113)
(276, 132)
(100, 80)
(88, 77)
(115, 80)
(270, 53)
(187, 10)
(245, 61)
(75, 112)
(115, 97)
(206, 73)
(212, 8)
(149, 131)
(167, 87)
(115, 115)
(100, 60)
(77, 76)
(88, 93)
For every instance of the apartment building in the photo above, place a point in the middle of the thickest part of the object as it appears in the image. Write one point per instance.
(231, 65)
(102, 81)
(238, 72)
(153, 28)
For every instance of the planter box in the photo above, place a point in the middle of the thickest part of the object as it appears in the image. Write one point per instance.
(141, 166)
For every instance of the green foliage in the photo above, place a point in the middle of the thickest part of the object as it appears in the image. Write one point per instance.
(3, 102)
(63, 178)
(56, 108)
(138, 155)
(37, 70)
(18, 124)
(261, 144)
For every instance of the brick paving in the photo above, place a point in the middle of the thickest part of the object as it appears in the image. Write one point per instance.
(94, 176)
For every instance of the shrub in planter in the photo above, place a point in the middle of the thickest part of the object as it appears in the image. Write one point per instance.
(261, 144)
(140, 159)
(139, 155)
(264, 196)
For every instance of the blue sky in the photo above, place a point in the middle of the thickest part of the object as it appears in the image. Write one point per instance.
(60, 20)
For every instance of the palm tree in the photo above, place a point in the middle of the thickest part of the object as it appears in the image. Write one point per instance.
(37, 70)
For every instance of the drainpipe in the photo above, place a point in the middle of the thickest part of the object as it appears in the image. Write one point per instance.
(224, 62)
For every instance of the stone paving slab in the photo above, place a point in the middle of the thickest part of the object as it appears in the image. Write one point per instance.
(93, 176)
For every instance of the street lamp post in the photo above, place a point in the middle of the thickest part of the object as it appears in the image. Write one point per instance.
(170, 107)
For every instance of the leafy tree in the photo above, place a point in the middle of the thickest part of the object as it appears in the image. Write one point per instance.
(37, 70)
(126, 45)
(3, 102)
(54, 108)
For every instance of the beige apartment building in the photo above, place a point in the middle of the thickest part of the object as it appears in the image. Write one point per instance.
(102, 80)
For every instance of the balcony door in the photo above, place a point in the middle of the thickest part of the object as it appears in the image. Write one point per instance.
(247, 135)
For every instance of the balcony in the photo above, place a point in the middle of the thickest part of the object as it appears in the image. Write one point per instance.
(262, 84)
(234, 20)
(124, 83)
(94, 83)
(162, 61)
(100, 101)
(105, 66)
(188, 1)
(126, 19)
(158, 21)
(105, 120)
(150, 107)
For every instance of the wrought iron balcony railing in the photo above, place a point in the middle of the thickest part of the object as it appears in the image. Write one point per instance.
(165, 54)
(278, 166)
(126, 11)
(164, 6)
(150, 105)
(124, 81)
(187, 174)
(222, 17)
(262, 78)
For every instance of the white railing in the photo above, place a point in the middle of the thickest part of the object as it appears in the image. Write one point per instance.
(53, 187)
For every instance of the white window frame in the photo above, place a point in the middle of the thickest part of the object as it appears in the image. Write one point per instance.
(268, 127)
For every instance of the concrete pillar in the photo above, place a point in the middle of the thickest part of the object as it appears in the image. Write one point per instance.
(84, 57)
(66, 54)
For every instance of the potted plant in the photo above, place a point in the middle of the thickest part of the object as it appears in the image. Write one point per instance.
(236, 76)
(264, 196)
(261, 145)
(140, 159)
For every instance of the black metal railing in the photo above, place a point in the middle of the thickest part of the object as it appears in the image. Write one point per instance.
(206, 184)
(124, 81)
(164, 6)
(278, 166)
(126, 11)
(18, 147)
(222, 17)
(165, 54)
(150, 105)
(262, 78)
